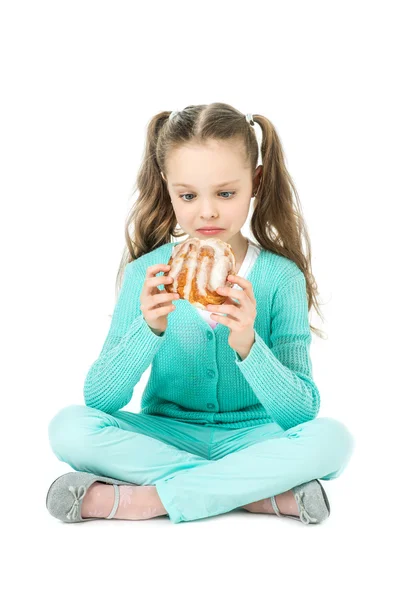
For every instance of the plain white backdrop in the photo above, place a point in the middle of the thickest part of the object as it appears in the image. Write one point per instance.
(80, 82)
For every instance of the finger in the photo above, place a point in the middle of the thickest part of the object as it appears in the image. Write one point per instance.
(229, 309)
(232, 293)
(163, 299)
(153, 283)
(244, 283)
(154, 269)
(229, 321)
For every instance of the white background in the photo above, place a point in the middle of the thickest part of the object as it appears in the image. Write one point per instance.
(80, 82)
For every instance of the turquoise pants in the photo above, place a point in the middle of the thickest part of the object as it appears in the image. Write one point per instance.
(199, 470)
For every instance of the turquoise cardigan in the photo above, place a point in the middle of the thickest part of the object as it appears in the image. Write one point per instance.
(196, 376)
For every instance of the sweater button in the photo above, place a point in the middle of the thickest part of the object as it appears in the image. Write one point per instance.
(210, 373)
(209, 335)
(210, 405)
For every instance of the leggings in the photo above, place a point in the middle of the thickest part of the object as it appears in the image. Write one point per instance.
(199, 470)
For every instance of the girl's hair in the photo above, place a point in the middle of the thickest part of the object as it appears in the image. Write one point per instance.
(277, 222)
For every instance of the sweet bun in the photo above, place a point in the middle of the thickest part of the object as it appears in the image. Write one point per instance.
(198, 268)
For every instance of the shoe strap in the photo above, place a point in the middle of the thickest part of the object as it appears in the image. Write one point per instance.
(275, 506)
(116, 502)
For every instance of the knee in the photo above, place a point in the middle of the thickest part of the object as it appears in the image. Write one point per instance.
(66, 428)
(337, 436)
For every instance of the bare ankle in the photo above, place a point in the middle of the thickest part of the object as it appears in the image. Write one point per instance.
(286, 503)
(135, 502)
(260, 506)
(98, 501)
(139, 502)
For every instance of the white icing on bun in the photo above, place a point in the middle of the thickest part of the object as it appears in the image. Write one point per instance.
(198, 268)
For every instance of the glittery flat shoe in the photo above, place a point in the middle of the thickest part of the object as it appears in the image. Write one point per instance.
(65, 495)
(312, 503)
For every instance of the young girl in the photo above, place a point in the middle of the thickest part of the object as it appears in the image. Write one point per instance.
(228, 417)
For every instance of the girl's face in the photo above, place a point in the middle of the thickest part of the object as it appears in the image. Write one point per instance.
(210, 186)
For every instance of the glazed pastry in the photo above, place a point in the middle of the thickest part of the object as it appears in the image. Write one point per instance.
(198, 268)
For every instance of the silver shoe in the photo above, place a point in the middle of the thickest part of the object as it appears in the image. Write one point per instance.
(312, 503)
(65, 495)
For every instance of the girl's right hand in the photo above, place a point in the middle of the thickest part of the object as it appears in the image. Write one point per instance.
(156, 304)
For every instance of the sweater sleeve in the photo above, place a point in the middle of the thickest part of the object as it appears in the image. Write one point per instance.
(281, 376)
(127, 352)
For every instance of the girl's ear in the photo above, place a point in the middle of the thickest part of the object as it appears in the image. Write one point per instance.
(257, 176)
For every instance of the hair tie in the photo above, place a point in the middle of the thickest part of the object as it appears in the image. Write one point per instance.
(249, 118)
(174, 112)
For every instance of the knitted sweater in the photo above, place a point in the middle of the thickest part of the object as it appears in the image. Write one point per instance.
(196, 377)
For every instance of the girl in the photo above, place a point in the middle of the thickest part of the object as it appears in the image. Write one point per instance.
(228, 417)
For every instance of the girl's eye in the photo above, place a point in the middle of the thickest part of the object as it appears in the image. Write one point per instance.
(227, 197)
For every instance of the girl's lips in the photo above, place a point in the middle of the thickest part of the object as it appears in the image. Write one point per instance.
(211, 232)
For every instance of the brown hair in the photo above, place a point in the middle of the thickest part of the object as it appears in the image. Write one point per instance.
(277, 222)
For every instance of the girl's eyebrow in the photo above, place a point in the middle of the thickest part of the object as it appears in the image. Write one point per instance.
(217, 185)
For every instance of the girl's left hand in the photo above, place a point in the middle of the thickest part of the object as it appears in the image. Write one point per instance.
(240, 318)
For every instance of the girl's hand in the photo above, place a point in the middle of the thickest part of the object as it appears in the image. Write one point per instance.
(155, 304)
(240, 317)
